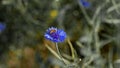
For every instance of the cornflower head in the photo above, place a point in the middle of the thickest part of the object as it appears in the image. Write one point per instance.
(85, 3)
(55, 35)
(2, 27)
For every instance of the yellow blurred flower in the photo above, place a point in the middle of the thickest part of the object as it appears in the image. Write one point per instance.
(53, 13)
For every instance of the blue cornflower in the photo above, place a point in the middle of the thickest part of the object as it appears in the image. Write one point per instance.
(2, 27)
(55, 35)
(85, 3)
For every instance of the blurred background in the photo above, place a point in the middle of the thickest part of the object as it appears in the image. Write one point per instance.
(92, 27)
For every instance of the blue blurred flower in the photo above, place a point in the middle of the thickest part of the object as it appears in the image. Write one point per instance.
(85, 3)
(55, 35)
(2, 27)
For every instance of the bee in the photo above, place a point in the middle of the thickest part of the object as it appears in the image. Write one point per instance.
(52, 31)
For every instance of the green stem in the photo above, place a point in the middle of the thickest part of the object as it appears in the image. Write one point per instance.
(59, 53)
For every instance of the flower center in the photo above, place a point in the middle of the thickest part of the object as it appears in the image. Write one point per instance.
(54, 34)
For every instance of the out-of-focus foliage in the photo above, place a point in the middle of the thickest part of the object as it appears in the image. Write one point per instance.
(92, 33)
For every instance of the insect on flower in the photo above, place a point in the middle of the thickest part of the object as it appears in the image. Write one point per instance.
(55, 35)
(52, 31)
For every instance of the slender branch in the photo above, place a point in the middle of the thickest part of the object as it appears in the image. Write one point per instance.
(59, 53)
(115, 6)
(56, 54)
